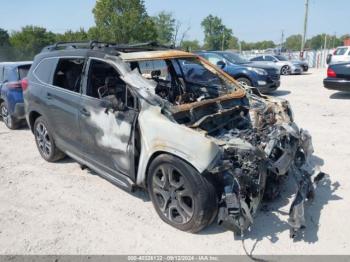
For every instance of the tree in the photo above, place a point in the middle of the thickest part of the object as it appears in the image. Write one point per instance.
(190, 46)
(71, 36)
(123, 21)
(216, 35)
(30, 41)
(4, 37)
(293, 42)
(165, 27)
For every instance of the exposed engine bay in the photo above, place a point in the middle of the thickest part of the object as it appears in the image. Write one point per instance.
(259, 141)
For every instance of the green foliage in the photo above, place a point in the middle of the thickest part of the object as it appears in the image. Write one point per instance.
(123, 21)
(293, 42)
(71, 36)
(29, 41)
(216, 35)
(258, 45)
(190, 46)
(165, 27)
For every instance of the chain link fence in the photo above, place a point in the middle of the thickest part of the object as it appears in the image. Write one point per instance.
(315, 58)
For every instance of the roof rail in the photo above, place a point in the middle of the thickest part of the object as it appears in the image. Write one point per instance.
(101, 45)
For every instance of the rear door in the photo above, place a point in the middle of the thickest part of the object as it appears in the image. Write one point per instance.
(63, 98)
(107, 135)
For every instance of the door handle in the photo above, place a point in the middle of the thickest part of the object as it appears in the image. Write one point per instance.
(84, 112)
(49, 96)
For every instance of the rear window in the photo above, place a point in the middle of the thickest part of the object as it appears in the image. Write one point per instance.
(23, 71)
(341, 51)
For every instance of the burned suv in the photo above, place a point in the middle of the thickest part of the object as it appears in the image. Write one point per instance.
(144, 116)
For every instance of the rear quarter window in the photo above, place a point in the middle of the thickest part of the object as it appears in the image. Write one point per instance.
(44, 69)
(23, 71)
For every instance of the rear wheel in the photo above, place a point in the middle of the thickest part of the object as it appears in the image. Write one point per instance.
(244, 81)
(182, 197)
(45, 142)
(10, 121)
(285, 70)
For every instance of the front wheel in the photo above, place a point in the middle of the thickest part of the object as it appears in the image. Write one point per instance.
(10, 121)
(244, 81)
(182, 197)
(45, 142)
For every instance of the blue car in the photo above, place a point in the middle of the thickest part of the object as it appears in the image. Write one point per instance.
(11, 92)
(266, 79)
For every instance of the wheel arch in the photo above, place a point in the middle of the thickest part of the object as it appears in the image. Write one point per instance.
(159, 153)
(33, 115)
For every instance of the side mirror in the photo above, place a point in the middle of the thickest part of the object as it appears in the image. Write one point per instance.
(221, 64)
(112, 103)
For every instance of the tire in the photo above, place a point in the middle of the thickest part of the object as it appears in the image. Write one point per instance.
(244, 81)
(45, 142)
(182, 197)
(9, 121)
(285, 70)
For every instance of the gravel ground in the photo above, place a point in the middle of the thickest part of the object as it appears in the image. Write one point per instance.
(59, 209)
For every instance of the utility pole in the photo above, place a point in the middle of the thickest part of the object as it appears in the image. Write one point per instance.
(282, 40)
(305, 28)
(223, 41)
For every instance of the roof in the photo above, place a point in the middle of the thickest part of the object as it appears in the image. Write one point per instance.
(155, 55)
(14, 64)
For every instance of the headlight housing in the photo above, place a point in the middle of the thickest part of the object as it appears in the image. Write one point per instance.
(259, 71)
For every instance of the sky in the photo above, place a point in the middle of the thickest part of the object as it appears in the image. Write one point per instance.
(250, 20)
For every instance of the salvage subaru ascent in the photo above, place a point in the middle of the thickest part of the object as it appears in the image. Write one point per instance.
(147, 116)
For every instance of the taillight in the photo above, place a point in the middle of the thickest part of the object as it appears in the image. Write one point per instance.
(24, 84)
(14, 85)
(331, 73)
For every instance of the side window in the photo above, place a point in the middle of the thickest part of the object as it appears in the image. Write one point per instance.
(214, 59)
(259, 58)
(23, 71)
(68, 73)
(104, 80)
(44, 70)
(1, 74)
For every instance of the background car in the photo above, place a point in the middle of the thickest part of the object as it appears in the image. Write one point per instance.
(11, 96)
(263, 79)
(301, 63)
(338, 77)
(286, 67)
(341, 54)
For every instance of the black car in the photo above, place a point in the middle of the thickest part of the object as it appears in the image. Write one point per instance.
(338, 77)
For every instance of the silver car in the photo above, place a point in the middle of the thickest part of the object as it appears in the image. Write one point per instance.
(285, 66)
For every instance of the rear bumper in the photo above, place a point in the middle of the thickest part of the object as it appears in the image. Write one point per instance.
(337, 84)
(19, 111)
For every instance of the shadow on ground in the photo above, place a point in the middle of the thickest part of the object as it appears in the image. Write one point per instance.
(280, 93)
(340, 95)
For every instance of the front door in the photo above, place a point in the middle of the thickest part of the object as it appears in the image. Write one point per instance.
(108, 134)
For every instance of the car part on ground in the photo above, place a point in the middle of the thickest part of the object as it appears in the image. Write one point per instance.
(338, 77)
(187, 131)
(11, 96)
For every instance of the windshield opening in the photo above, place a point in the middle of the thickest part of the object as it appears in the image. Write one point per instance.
(185, 80)
(281, 58)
